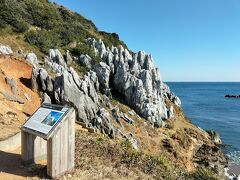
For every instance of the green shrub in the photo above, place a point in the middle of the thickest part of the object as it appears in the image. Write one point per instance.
(83, 48)
(110, 39)
(99, 141)
(44, 40)
(20, 26)
(204, 174)
(60, 26)
(3, 24)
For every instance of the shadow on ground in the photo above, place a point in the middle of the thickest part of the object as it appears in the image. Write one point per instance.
(26, 82)
(10, 163)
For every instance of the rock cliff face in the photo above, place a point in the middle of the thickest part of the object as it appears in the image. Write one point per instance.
(32, 59)
(145, 101)
(132, 75)
(68, 88)
(135, 77)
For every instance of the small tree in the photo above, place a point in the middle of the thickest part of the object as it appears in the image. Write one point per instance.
(20, 26)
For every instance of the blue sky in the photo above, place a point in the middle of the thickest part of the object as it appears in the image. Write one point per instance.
(190, 40)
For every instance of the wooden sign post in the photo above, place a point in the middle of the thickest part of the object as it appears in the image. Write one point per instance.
(50, 133)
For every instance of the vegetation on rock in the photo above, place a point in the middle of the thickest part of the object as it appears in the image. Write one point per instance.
(47, 25)
(164, 153)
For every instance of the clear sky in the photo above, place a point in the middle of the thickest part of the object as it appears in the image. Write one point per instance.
(190, 40)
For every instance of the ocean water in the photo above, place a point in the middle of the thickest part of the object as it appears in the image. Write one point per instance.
(205, 105)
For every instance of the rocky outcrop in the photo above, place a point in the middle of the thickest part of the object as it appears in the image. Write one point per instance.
(232, 96)
(98, 47)
(135, 77)
(55, 62)
(81, 94)
(85, 60)
(11, 82)
(67, 87)
(116, 115)
(53, 66)
(6, 50)
(103, 122)
(168, 94)
(214, 136)
(39, 79)
(56, 56)
(68, 58)
(132, 141)
(210, 156)
(126, 118)
(103, 73)
(32, 59)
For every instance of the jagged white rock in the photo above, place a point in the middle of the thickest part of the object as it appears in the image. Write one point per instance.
(66, 91)
(103, 71)
(6, 50)
(53, 66)
(69, 58)
(56, 56)
(134, 76)
(85, 60)
(46, 98)
(131, 74)
(32, 59)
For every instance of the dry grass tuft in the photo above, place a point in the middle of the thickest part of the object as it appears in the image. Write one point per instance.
(96, 153)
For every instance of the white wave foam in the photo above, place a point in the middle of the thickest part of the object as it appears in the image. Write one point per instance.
(234, 157)
(231, 177)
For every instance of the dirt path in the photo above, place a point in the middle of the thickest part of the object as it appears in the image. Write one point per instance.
(10, 166)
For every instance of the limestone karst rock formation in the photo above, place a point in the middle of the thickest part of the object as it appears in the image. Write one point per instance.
(135, 77)
(68, 88)
(56, 56)
(85, 60)
(5, 50)
(32, 59)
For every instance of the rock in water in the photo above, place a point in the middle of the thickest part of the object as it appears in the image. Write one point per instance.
(215, 137)
(232, 96)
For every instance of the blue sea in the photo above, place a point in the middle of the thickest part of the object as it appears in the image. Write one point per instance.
(205, 105)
